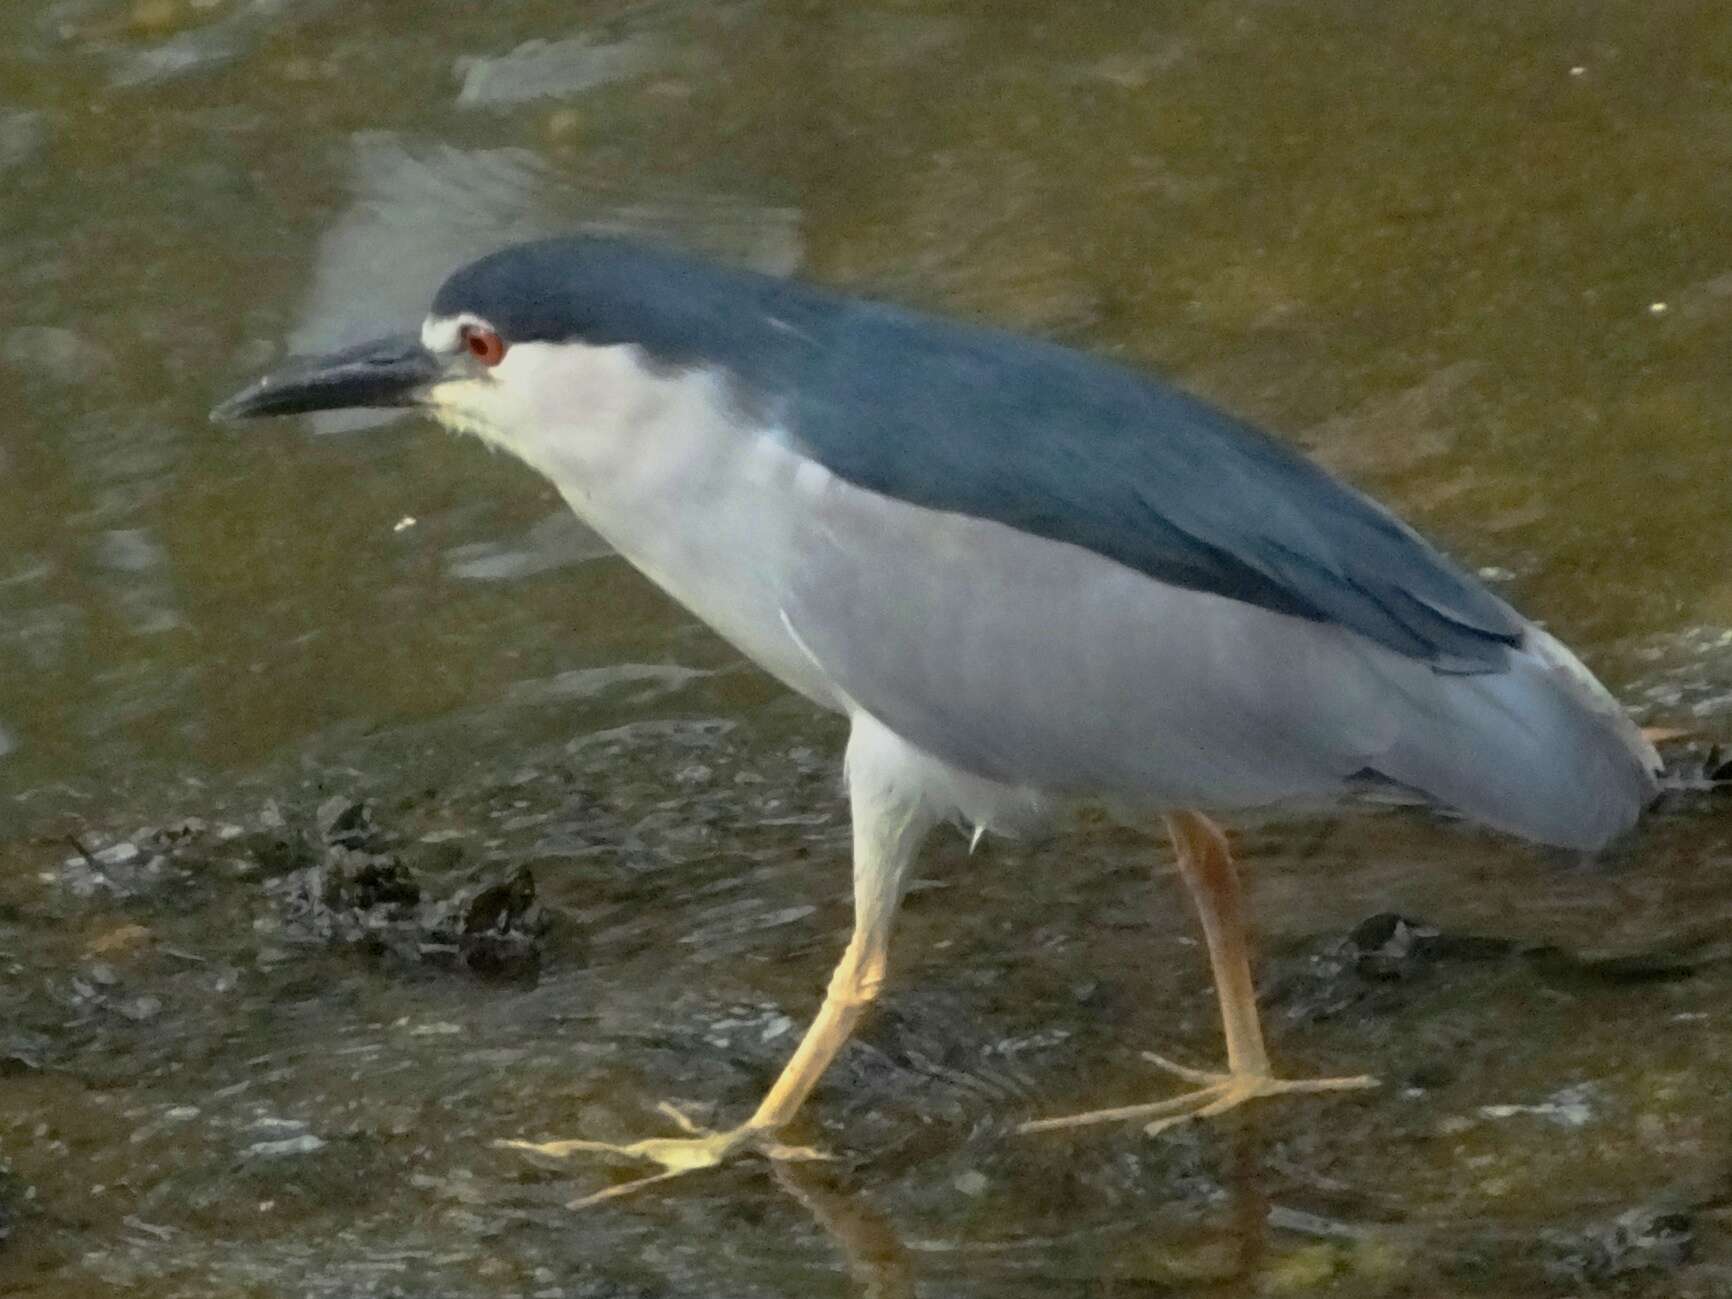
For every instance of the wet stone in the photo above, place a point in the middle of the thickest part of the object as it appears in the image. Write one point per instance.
(349, 897)
(140, 1010)
(1392, 947)
(21, 1053)
(1358, 971)
(1568, 1107)
(278, 851)
(493, 927)
(362, 889)
(346, 823)
(1636, 1241)
(1695, 769)
(547, 69)
(121, 870)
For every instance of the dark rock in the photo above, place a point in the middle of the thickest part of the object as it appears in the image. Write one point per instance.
(1637, 1240)
(352, 897)
(494, 926)
(1389, 946)
(360, 881)
(1696, 770)
(348, 823)
(176, 833)
(1358, 971)
(21, 1053)
(278, 851)
(360, 889)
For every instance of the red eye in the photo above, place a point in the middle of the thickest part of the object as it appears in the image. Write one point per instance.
(484, 345)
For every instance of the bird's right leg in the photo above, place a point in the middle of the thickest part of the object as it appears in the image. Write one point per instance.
(1206, 866)
(891, 821)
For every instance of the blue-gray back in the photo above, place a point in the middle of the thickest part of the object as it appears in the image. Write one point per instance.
(1021, 432)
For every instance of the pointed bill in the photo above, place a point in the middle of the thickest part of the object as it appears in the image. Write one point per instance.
(385, 372)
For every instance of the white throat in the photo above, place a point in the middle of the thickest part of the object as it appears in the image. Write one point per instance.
(665, 465)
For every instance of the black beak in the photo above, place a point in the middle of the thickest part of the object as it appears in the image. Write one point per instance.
(394, 371)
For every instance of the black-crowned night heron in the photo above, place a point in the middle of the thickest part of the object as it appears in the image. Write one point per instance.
(1026, 576)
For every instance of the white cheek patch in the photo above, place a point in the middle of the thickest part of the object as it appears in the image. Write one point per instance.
(577, 413)
(483, 405)
(565, 387)
(461, 406)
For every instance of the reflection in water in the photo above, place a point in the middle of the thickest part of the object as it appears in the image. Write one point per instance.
(21, 135)
(412, 218)
(554, 542)
(874, 1254)
(1248, 1204)
(882, 1265)
(541, 69)
(1228, 1248)
(418, 211)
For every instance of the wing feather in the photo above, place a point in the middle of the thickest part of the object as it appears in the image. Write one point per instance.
(1076, 449)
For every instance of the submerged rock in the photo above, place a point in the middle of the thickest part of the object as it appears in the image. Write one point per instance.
(1364, 970)
(1638, 1240)
(361, 890)
(493, 927)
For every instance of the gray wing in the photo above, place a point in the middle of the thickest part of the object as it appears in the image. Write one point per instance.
(1067, 447)
(1042, 664)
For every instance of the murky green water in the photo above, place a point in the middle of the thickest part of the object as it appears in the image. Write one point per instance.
(1473, 255)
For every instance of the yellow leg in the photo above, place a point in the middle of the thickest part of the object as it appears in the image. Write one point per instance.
(890, 822)
(1207, 869)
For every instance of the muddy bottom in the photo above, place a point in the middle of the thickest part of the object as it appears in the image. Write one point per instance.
(261, 1043)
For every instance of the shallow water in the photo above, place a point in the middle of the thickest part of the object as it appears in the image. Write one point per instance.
(1474, 258)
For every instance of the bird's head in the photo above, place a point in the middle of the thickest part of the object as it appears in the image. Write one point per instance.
(537, 335)
(453, 369)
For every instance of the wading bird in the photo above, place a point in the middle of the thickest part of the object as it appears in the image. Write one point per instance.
(1025, 575)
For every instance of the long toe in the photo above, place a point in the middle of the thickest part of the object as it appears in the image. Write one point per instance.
(1218, 1093)
(1229, 1091)
(675, 1156)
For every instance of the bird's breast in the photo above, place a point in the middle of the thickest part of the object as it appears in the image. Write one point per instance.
(702, 499)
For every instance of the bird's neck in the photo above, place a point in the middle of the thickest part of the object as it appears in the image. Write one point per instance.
(665, 465)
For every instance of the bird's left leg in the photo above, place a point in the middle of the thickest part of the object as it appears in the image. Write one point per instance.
(1207, 869)
(891, 820)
